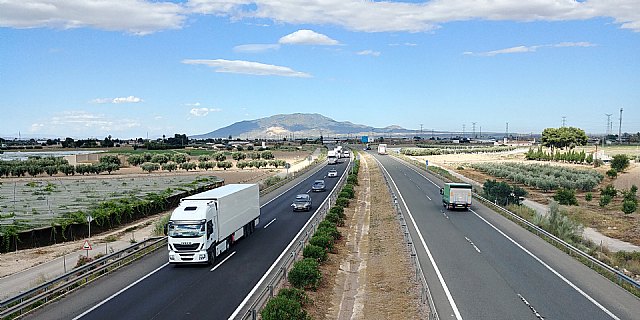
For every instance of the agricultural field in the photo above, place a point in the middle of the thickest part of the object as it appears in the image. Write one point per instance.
(37, 202)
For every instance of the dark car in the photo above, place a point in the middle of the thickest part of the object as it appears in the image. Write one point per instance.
(318, 185)
(302, 203)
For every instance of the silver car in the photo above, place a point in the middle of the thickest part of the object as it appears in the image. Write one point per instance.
(318, 185)
(302, 203)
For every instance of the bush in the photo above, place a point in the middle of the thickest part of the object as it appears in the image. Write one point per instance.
(342, 202)
(332, 232)
(294, 294)
(314, 252)
(566, 197)
(322, 240)
(588, 196)
(339, 210)
(344, 194)
(629, 207)
(609, 191)
(605, 200)
(612, 173)
(619, 162)
(305, 274)
(334, 218)
(326, 224)
(348, 189)
(280, 307)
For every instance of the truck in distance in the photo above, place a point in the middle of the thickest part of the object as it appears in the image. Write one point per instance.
(206, 224)
(456, 195)
(382, 148)
(332, 157)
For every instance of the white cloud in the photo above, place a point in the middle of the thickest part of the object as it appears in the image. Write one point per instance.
(308, 37)
(129, 99)
(253, 48)
(148, 16)
(524, 49)
(197, 104)
(201, 112)
(248, 67)
(368, 53)
(132, 16)
(85, 123)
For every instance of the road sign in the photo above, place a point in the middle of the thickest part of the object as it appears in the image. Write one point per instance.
(426, 162)
(86, 245)
(287, 165)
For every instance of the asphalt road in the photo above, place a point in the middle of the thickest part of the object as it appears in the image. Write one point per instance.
(480, 265)
(152, 289)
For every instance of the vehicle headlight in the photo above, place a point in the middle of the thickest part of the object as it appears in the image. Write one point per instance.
(202, 256)
(171, 257)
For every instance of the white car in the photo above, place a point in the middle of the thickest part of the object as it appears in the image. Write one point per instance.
(332, 173)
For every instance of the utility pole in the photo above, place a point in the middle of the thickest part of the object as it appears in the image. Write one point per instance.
(507, 132)
(608, 122)
(474, 129)
(463, 127)
(421, 130)
(564, 121)
(620, 128)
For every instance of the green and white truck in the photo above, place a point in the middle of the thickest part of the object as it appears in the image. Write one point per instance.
(456, 195)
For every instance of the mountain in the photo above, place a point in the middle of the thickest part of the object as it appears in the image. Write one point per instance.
(298, 125)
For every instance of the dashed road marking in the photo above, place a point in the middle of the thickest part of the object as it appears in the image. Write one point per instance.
(270, 222)
(225, 259)
(530, 307)
(472, 244)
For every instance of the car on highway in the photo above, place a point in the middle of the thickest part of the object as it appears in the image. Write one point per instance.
(302, 202)
(332, 173)
(318, 186)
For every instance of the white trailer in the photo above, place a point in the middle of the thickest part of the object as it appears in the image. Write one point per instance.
(204, 225)
(332, 157)
(382, 148)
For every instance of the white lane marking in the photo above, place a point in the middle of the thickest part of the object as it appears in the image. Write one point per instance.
(270, 222)
(225, 259)
(264, 277)
(428, 197)
(472, 244)
(584, 294)
(444, 214)
(119, 292)
(424, 244)
(538, 315)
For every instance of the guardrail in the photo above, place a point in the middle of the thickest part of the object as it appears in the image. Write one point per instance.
(76, 278)
(425, 293)
(292, 176)
(279, 274)
(620, 277)
(570, 249)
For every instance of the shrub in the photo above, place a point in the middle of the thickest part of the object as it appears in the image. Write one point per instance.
(619, 162)
(629, 207)
(588, 196)
(330, 231)
(342, 202)
(322, 240)
(566, 197)
(352, 179)
(344, 194)
(280, 307)
(339, 210)
(605, 199)
(609, 191)
(314, 252)
(334, 218)
(294, 294)
(305, 274)
(326, 224)
(612, 173)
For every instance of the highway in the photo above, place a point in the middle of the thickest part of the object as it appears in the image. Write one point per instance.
(480, 265)
(152, 289)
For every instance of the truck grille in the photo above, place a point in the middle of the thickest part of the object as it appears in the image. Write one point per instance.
(186, 247)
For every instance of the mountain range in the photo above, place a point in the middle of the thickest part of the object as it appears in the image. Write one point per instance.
(298, 125)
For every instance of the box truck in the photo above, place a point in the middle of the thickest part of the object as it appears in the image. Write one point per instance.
(204, 225)
(456, 195)
(382, 148)
(332, 157)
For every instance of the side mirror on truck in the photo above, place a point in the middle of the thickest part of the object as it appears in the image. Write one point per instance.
(441, 191)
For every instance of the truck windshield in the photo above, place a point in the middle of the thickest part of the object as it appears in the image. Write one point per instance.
(186, 230)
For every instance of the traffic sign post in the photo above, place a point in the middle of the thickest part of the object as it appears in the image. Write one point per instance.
(87, 246)
(426, 162)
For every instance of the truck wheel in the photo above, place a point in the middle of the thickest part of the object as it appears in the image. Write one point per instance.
(210, 257)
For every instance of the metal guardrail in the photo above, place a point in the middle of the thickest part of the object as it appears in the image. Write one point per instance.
(279, 274)
(572, 250)
(569, 248)
(76, 278)
(425, 293)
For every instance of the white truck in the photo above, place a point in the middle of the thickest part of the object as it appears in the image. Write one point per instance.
(204, 225)
(456, 195)
(332, 157)
(382, 148)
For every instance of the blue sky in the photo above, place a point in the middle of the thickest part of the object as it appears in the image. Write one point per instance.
(132, 68)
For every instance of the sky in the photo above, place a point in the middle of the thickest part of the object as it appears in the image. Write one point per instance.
(136, 68)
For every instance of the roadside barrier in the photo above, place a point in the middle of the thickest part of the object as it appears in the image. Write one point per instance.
(76, 278)
(279, 274)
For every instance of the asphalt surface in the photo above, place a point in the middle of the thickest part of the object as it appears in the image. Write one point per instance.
(152, 289)
(480, 265)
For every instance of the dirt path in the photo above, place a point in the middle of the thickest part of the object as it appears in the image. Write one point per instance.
(374, 275)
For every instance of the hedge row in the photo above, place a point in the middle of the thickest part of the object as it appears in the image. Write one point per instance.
(305, 273)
